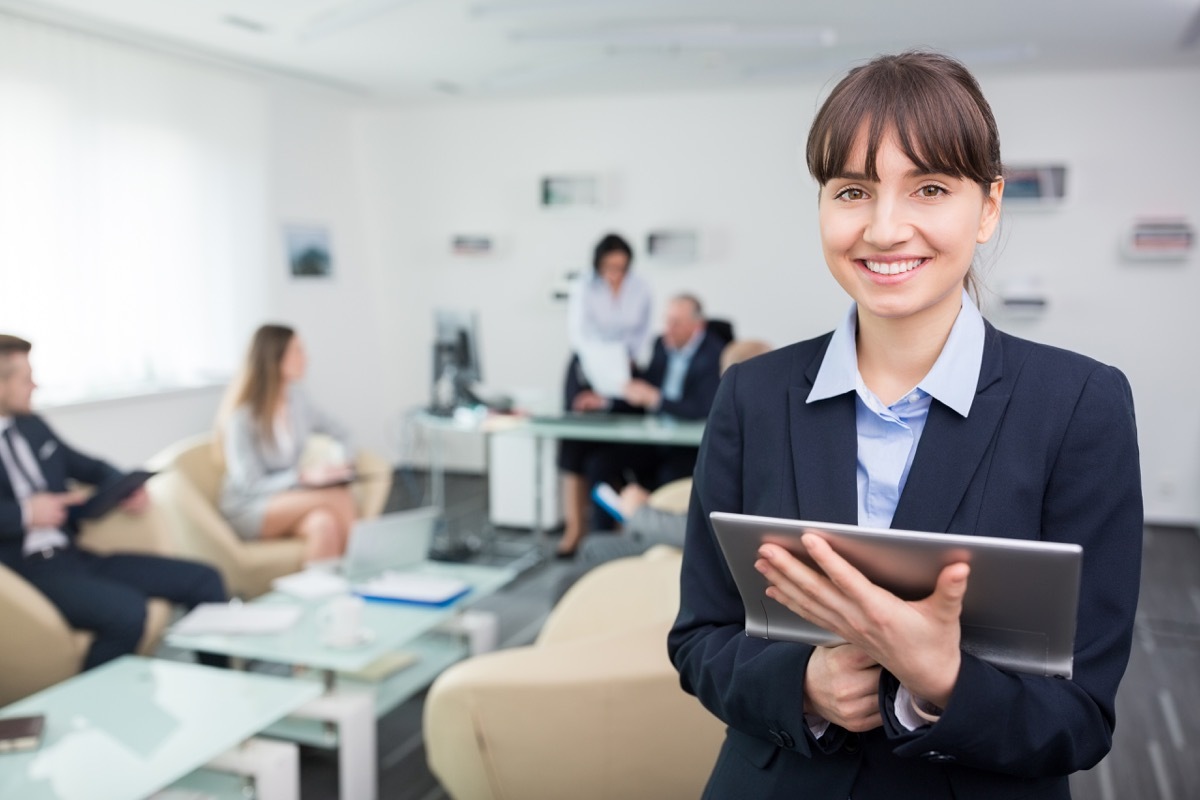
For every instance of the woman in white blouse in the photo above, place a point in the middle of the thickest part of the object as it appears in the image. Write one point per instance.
(611, 305)
(265, 422)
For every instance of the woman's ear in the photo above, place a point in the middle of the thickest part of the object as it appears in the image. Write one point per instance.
(991, 210)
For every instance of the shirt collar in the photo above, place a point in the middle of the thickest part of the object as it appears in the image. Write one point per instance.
(952, 380)
(689, 349)
(5, 422)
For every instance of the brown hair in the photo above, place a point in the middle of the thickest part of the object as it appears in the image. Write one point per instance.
(931, 103)
(11, 346)
(260, 383)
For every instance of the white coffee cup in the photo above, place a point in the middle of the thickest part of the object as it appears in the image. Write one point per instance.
(341, 621)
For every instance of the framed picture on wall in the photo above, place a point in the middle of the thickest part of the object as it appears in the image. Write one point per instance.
(559, 191)
(673, 246)
(309, 252)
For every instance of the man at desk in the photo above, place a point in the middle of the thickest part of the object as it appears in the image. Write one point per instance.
(102, 594)
(681, 382)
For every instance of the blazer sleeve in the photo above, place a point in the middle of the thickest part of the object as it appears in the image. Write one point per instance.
(753, 685)
(1035, 726)
(245, 471)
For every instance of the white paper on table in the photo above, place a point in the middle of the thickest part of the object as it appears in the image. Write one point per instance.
(311, 583)
(237, 618)
(606, 365)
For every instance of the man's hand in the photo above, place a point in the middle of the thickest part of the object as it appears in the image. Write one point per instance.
(49, 509)
(633, 497)
(642, 394)
(137, 502)
(587, 400)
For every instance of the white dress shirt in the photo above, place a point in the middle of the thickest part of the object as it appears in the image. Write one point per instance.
(36, 539)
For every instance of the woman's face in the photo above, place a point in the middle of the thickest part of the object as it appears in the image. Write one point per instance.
(294, 361)
(901, 246)
(613, 268)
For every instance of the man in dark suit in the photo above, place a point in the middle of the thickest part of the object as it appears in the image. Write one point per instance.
(680, 381)
(38, 526)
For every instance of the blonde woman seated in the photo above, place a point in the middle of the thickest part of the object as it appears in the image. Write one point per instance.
(265, 422)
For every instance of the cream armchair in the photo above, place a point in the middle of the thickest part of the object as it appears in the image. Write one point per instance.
(593, 709)
(188, 489)
(40, 648)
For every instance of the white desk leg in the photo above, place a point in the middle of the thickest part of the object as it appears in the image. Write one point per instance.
(354, 714)
(273, 766)
(539, 525)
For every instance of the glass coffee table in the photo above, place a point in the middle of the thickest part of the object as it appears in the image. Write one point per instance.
(402, 655)
(136, 725)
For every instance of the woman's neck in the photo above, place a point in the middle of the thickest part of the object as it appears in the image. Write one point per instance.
(895, 354)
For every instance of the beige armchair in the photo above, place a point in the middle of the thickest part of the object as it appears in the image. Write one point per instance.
(40, 648)
(188, 489)
(593, 709)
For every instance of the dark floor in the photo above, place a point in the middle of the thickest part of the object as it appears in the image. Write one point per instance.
(1158, 706)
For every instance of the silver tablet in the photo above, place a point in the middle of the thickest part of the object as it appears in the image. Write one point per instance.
(1018, 613)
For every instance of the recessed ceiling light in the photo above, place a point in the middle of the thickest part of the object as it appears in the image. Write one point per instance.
(244, 24)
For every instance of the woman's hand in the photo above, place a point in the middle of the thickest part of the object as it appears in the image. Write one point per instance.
(841, 685)
(917, 641)
(325, 474)
(587, 400)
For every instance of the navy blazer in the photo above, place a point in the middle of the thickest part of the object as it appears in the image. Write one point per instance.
(58, 463)
(1048, 451)
(700, 382)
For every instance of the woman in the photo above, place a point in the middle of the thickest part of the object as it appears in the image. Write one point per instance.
(266, 421)
(915, 414)
(610, 306)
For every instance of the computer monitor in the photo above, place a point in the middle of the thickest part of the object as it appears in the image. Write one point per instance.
(456, 362)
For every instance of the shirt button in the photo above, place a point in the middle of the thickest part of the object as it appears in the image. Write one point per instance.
(912, 398)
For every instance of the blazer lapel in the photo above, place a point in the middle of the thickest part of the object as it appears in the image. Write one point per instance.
(952, 448)
(824, 452)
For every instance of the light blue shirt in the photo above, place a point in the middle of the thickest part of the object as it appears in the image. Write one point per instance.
(678, 361)
(888, 435)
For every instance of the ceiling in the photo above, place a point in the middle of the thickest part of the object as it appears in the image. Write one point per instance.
(420, 49)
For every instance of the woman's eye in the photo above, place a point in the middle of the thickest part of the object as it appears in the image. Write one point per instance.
(932, 190)
(850, 193)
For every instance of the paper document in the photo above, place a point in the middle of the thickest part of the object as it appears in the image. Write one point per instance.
(412, 587)
(311, 583)
(606, 366)
(237, 618)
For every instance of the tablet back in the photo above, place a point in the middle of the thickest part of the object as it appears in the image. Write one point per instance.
(1018, 613)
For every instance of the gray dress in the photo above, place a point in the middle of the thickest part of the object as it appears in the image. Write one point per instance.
(256, 469)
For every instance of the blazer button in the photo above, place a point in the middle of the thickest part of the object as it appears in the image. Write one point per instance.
(934, 757)
(776, 738)
(786, 740)
(851, 744)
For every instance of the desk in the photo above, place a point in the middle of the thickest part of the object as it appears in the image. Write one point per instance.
(633, 429)
(136, 725)
(344, 716)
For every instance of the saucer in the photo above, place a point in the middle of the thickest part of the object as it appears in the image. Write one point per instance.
(362, 638)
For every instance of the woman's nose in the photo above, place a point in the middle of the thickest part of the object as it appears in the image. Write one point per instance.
(888, 225)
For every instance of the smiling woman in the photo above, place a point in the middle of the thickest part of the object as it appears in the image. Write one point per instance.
(915, 414)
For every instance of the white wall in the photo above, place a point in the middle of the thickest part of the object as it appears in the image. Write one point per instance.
(729, 164)
(291, 159)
